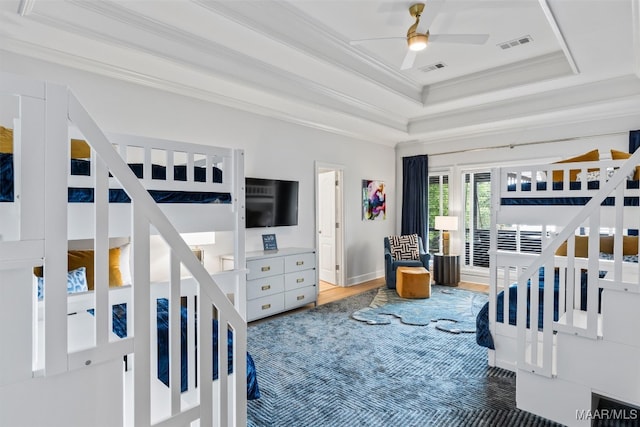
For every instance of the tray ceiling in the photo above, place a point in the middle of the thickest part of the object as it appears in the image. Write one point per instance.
(293, 59)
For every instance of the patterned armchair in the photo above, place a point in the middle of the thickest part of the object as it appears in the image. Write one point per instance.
(403, 251)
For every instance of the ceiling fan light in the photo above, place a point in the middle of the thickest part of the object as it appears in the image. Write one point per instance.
(417, 42)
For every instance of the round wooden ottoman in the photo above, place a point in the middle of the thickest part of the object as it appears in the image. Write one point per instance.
(413, 282)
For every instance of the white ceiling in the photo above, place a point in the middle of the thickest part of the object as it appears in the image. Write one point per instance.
(293, 59)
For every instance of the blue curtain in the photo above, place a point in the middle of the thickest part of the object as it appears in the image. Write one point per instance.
(415, 203)
(634, 140)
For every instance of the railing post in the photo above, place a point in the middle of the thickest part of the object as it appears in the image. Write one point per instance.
(55, 139)
(205, 359)
(175, 380)
(101, 246)
(141, 316)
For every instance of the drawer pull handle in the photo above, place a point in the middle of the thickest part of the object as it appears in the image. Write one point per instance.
(266, 306)
(299, 262)
(266, 287)
(300, 297)
(267, 268)
(300, 280)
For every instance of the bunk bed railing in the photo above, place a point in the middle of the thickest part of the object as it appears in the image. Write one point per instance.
(42, 132)
(536, 344)
(552, 187)
(148, 152)
(146, 213)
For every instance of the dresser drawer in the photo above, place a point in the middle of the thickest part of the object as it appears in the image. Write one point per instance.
(258, 288)
(264, 267)
(299, 262)
(299, 279)
(265, 306)
(299, 297)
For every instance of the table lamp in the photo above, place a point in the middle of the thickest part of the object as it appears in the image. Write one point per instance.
(446, 224)
(194, 240)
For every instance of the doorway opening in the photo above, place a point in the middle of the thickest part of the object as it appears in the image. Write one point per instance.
(329, 226)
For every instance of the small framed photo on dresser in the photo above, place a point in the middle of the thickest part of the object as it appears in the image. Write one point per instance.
(269, 242)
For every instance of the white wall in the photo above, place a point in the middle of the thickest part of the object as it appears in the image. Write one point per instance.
(536, 145)
(273, 149)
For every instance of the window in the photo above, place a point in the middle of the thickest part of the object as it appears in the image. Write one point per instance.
(521, 238)
(438, 205)
(477, 218)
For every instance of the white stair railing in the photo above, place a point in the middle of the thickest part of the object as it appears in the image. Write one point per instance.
(44, 237)
(536, 345)
(147, 213)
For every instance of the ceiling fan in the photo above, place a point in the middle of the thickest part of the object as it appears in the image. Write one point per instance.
(418, 35)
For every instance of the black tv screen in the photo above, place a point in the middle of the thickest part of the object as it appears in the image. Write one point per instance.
(271, 202)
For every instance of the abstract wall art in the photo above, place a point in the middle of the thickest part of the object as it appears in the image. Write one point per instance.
(374, 200)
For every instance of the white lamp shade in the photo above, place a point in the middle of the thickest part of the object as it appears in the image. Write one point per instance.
(198, 239)
(448, 223)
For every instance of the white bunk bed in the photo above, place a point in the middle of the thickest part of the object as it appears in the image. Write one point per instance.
(66, 354)
(585, 345)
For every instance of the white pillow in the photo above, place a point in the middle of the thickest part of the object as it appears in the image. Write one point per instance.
(125, 264)
(591, 176)
(595, 175)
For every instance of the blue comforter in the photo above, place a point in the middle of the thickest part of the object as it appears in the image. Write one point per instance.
(120, 329)
(483, 335)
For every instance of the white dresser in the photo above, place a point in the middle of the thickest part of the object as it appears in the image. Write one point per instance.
(279, 280)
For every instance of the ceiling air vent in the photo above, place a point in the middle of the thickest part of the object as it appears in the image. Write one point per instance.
(515, 42)
(433, 67)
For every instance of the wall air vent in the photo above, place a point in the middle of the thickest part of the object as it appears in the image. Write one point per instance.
(515, 42)
(432, 67)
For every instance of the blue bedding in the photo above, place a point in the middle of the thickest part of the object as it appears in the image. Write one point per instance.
(6, 177)
(564, 201)
(483, 335)
(120, 329)
(86, 195)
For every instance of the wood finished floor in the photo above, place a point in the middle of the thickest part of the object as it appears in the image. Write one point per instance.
(329, 293)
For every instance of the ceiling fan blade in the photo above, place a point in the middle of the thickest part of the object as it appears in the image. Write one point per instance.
(409, 59)
(459, 38)
(430, 12)
(361, 41)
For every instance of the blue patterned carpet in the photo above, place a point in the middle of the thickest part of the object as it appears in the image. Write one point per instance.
(320, 367)
(453, 310)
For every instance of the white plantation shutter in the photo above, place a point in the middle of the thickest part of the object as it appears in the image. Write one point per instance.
(438, 205)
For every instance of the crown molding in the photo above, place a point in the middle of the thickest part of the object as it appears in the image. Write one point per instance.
(213, 58)
(553, 24)
(345, 125)
(580, 103)
(313, 38)
(533, 70)
(619, 119)
(25, 7)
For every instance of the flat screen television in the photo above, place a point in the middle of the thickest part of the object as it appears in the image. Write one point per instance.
(271, 202)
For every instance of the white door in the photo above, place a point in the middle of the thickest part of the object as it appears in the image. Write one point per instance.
(327, 226)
